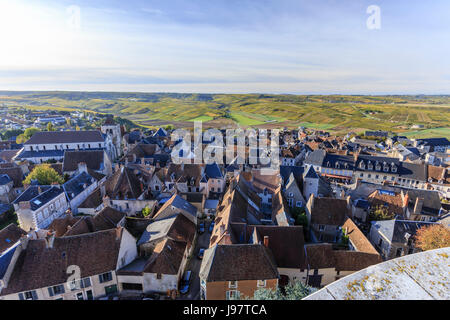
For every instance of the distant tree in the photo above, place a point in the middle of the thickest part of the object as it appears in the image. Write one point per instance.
(294, 290)
(50, 127)
(66, 177)
(146, 212)
(21, 138)
(169, 127)
(380, 213)
(27, 134)
(30, 131)
(44, 174)
(344, 238)
(432, 237)
(8, 134)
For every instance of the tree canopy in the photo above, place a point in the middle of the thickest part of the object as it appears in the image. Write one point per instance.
(50, 127)
(44, 174)
(294, 290)
(380, 213)
(432, 237)
(27, 134)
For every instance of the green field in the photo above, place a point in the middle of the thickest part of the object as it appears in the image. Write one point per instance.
(335, 113)
(428, 133)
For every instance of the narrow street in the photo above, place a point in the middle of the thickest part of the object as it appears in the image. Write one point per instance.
(195, 263)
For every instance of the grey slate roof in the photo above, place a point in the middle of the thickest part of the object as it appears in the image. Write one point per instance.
(4, 179)
(285, 172)
(316, 157)
(156, 230)
(213, 171)
(311, 174)
(65, 137)
(395, 230)
(75, 186)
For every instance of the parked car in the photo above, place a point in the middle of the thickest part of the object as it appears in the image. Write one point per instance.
(201, 252)
(185, 282)
(201, 228)
(211, 226)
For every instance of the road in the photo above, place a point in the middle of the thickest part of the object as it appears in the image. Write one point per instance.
(195, 263)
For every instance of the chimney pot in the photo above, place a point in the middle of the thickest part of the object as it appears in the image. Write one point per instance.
(266, 241)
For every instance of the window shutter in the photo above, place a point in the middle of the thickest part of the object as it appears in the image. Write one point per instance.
(50, 291)
(21, 296)
(100, 278)
(86, 282)
(63, 290)
(34, 294)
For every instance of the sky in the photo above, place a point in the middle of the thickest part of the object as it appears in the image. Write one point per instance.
(226, 46)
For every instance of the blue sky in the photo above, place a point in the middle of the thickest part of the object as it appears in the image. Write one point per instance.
(229, 46)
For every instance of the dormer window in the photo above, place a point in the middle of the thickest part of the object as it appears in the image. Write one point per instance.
(328, 164)
(362, 165)
(370, 165)
(337, 165)
(393, 167)
(377, 166)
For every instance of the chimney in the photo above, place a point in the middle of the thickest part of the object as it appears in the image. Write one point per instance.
(24, 205)
(266, 241)
(49, 239)
(82, 167)
(405, 200)
(118, 232)
(418, 205)
(39, 189)
(105, 201)
(24, 241)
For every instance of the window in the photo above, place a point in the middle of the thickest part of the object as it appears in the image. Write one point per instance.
(261, 283)
(380, 243)
(158, 276)
(290, 202)
(399, 252)
(80, 296)
(321, 227)
(55, 290)
(299, 204)
(291, 194)
(232, 294)
(132, 286)
(89, 295)
(232, 284)
(111, 289)
(105, 277)
(29, 295)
